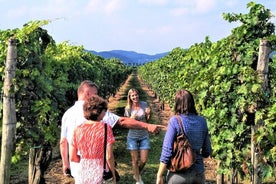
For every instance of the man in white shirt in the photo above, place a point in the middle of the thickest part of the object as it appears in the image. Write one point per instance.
(74, 117)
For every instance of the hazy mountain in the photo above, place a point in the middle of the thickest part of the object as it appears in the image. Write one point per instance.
(129, 57)
(134, 58)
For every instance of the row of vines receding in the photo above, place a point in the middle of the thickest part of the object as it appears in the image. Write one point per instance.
(228, 92)
(46, 81)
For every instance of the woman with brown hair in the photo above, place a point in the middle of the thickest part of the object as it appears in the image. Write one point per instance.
(87, 146)
(196, 131)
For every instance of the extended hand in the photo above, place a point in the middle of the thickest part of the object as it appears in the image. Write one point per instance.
(155, 129)
(147, 111)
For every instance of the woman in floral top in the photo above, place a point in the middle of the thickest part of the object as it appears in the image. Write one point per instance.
(87, 146)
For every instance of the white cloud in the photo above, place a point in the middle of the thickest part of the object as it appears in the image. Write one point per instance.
(203, 6)
(17, 13)
(163, 30)
(160, 30)
(195, 6)
(182, 7)
(179, 11)
(127, 23)
(154, 2)
(231, 3)
(103, 6)
(48, 10)
(93, 6)
(112, 6)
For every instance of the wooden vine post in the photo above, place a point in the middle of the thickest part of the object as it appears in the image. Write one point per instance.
(39, 160)
(262, 69)
(9, 114)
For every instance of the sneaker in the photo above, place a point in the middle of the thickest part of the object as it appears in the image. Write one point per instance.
(140, 180)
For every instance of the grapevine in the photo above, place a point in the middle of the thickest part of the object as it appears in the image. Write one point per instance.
(227, 89)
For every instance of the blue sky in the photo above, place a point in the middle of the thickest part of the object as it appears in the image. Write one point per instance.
(144, 26)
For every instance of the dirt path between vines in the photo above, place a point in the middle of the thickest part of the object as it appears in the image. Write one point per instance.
(162, 113)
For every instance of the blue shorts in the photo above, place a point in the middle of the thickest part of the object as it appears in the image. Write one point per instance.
(138, 144)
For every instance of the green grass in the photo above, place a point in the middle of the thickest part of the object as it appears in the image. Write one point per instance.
(122, 155)
(19, 172)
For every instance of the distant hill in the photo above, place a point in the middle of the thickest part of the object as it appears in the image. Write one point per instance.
(134, 58)
(129, 57)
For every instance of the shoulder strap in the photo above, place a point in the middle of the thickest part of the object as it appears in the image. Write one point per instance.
(105, 132)
(180, 124)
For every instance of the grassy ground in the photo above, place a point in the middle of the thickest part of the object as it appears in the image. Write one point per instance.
(19, 172)
(121, 154)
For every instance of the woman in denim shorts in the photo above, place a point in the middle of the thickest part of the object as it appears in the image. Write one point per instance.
(137, 139)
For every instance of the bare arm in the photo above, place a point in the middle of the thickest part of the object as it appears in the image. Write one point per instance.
(161, 170)
(64, 154)
(74, 157)
(110, 160)
(127, 122)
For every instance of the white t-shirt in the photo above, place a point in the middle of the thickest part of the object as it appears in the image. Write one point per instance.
(72, 118)
(110, 118)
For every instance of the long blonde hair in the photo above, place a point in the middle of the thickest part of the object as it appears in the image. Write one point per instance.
(129, 102)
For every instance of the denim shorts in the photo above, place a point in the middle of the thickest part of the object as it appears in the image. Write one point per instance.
(138, 144)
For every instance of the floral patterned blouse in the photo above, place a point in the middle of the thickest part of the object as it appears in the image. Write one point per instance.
(88, 139)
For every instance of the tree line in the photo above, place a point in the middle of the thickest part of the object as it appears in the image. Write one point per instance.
(45, 83)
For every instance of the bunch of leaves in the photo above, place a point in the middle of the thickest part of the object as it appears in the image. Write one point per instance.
(47, 77)
(223, 77)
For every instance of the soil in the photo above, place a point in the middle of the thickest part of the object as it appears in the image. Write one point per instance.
(162, 113)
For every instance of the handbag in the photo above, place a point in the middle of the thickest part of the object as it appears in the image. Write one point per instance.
(108, 174)
(183, 155)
